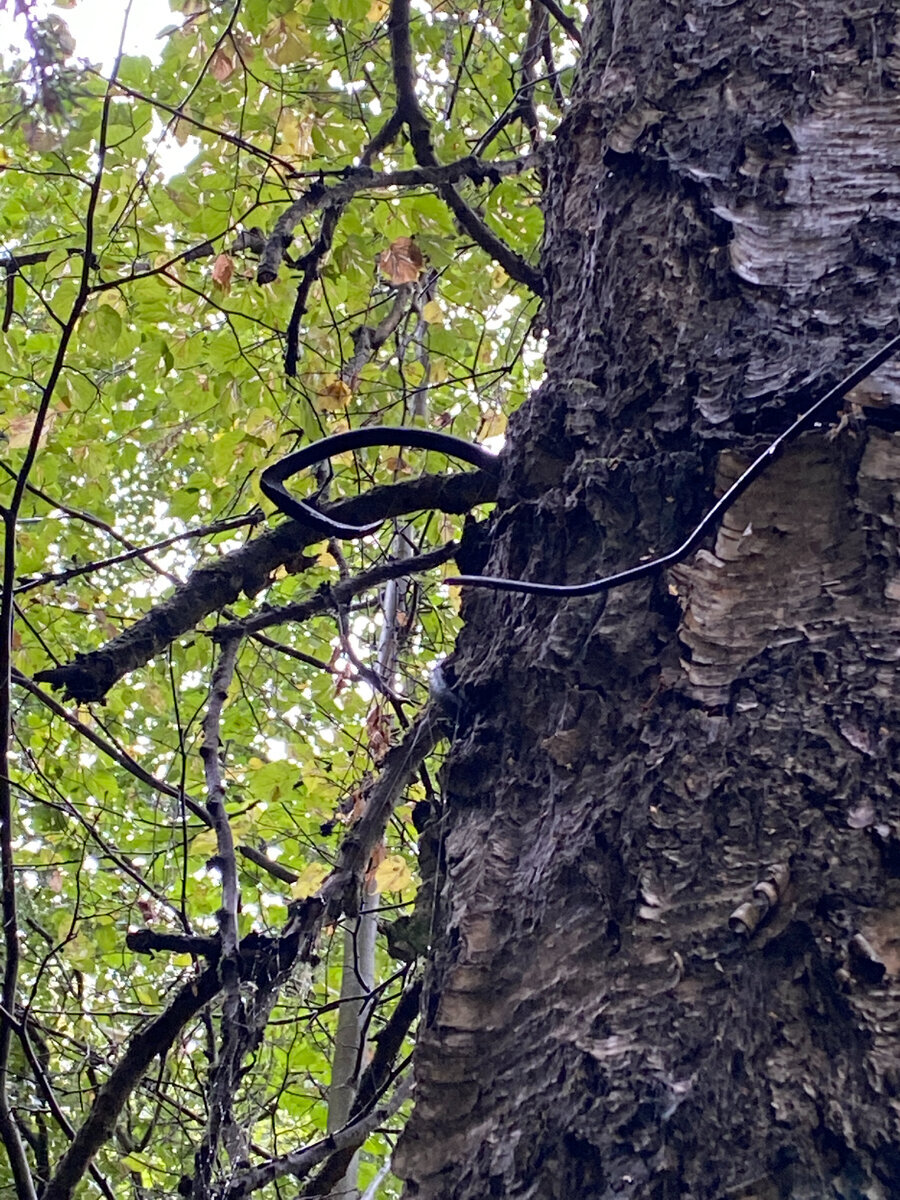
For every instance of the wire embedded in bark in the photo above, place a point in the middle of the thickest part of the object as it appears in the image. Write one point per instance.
(272, 485)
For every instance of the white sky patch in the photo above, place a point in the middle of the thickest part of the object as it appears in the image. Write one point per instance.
(96, 26)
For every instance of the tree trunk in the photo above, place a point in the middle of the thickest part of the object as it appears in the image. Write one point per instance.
(611, 1010)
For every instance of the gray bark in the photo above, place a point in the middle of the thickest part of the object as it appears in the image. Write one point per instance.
(723, 228)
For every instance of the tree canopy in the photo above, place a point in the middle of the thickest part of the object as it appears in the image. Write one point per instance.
(293, 219)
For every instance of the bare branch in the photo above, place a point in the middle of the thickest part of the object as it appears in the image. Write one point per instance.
(224, 1080)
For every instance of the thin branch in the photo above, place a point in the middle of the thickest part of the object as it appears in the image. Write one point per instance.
(225, 1075)
(140, 552)
(210, 752)
(150, 941)
(46, 1089)
(129, 764)
(372, 1084)
(180, 115)
(275, 869)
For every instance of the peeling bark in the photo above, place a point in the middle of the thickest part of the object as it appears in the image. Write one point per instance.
(723, 220)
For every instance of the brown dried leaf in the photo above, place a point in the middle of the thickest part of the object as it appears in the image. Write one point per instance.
(402, 262)
(223, 269)
(221, 65)
(378, 728)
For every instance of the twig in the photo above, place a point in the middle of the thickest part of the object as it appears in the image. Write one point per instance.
(180, 115)
(140, 552)
(118, 756)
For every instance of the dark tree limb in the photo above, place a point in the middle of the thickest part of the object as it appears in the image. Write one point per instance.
(149, 941)
(562, 19)
(312, 266)
(214, 586)
(337, 594)
(363, 178)
(313, 260)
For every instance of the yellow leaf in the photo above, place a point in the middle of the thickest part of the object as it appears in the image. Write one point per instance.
(310, 880)
(81, 952)
(433, 313)
(377, 9)
(133, 1163)
(285, 41)
(205, 843)
(182, 130)
(19, 430)
(296, 134)
(393, 874)
(498, 277)
(39, 138)
(255, 763)
(334, 394)
(493, 424)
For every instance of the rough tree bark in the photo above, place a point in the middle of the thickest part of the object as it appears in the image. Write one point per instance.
(723, 228)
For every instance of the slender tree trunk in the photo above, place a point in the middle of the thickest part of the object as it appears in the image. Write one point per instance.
(357, 981)
(611, 1012)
